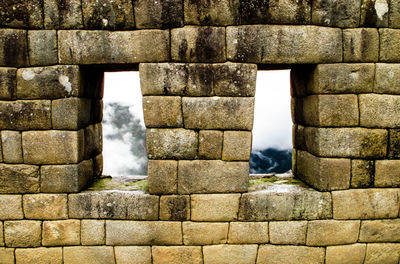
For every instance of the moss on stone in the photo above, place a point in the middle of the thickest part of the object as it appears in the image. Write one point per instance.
(114, 184)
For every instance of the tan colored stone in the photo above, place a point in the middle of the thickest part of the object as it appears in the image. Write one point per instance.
(98, 166)
(362, 173)
(380, 231)
(204, 233)
(158, 14)
(290, 255)
(214, 207)
(11, 207)
(374, 13)
(234, 79)
(1, 235)
(38, 255)
(230, 254)
(7, 255)
(91, 255)
(288, 232)
(93, 140)
(22, 233)
(216, 12)
(360, 45)
(162, 111)
(382, 253)
(121, 233)
(389, 49)
(62, 15)
(210, 144)
(12, 146)
(237, 145)
(162, 176)
(19, 178)
(175, 207)
(61, 233)
(42, 46)
(45, 206)
(8, 83)
(365, 204)
(133, 255)
(177, 255)
(387, 78)
(53, 147)
(93, 232)
(248, 233)
(394, 14)
(379, 110)
(13, 51)
(22, 14)
(394, 143)
(348, 254)
(70, 113)
(332, 232)
(200, 79)
(343, 13)
(387, 173)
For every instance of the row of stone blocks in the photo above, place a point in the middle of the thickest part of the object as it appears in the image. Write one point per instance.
(126, 14)
(268, 44)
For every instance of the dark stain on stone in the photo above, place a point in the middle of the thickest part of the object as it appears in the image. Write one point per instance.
(14, 49)
(394, 143)
(15, 11)
(301, 15)
(208, 45)
(370, 18)
(248, 47)
(178, 208)
(365, 37)
(254, 11)
(202, 77)
(171, 13)
(183, 47)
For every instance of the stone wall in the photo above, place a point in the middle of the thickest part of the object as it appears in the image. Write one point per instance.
(198, 61)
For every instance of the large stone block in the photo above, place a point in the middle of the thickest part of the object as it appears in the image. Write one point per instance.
(387, 173)
(22, 233)
(91, 255)
(99, 47)
(12, 146)
(374, 13)
(61, 233)
(379, 110)
(360, 45)
(158, 14)
(237, 145)
(248, 233)
(380, 231)
(382, 253)
(7, 255)
(212, 176)
(162, 111)
(143, 233)
(177, 255)
(93, 232)
(38, 255)
(362, 173)
(171, 143)
(389, 50)
(70, 113)
(45, 206)
(53, 147)
(163, 176)
(365, 204)
(198, 44)
(11, 207)
(8, 83)
(348, 254)
(205, 233)
(233, 79)
(133, 255)
(13, 47)
(21, 14)
(42, 46)
(332, 232)
(230, 254)
(214, 207)
(284, 44)
(343, 13)
(290, 255)
(288, 232)
(62, 14)
(394, 14)
(215, 12)
(387, 78)
(210, 144)
(19, 178)
(175, 207)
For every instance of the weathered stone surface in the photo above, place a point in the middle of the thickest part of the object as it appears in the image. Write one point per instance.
(198, 44)
(382, 253)
(91, 255)
(288, 232)
(19, 178)
(25, 115)
(70, 113)
(214, 207)
(290, 255)
(93, 140)
(99, 47)
(53, 147)
(93, 232)
(380, 231)
(133, 255)
(365, 204)
(61, 233)
(237, 145)
(13, 47)
(212, 176)
(162, 111)
(102, 14)
(11, 207)
(215, 12)
(362, 173)
(21, 14)
(210, 144)
(177, 255)
(45, 206)
(387, 78)
(42, 47)
(62, 14)
(162, 176)
(1, 236)
(394, 14)
(175, 207)
(230, 254)
(143, 233)
(22, 233)
(171, 143)
(360, 45)
(218, 113)
(49, 82)
(38, 255)
(324, 174)
(12, 146)
(374, 13)
(204, 233)
(98, 166)
(285, 203)
(387, 173)
(113, 205)
(232, 79)
(348, 254)
(8, 83)
(7, 255)
(248, 233)
(284, 44)
(343, 13)
(379, 110)
(158, 14)
(389, 50)
(394, 143)
(200, 80)
(332, 232)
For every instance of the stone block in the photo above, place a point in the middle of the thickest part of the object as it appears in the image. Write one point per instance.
(348, 254)
(175, 207)
(94, 47)
(230, 254)
(198, 44)
(389, 50)
(162, 111)
(212, 176)
(158, 14)
(332, 232)
(62, 14)
(66, 178)
(163, 176)
(387, 78)
(21, 14)
(394, 14)
(104, 14)
(177, 255)
(200, 80)
(98, 166)
(362, 173)
(218, 113)
(374, 13)
(113, 205)
(214, 207)
(382, 253)
(91, 255)
(365, 204)
(285, 203)
(379, 110)
(205, 233)
(25, 115)
(237, 145)
(70, 113)
(93, 232)
(290, 255)
(324, 174)
(8, 83)
(45, 206)
(38, 255)
(120, 233)
(394, 143)
(93, 140)
(210, 144)
(387, 173)
(42, 46)
(360, 45)
(50, 82)
(133, 255)
(61, 233)
(231, 79)
(7, 255)
(11, 207)
(13, 47)
(343, 13)
(1, 235)
(19, 178)
(248, 233)
(22, 233)
(215, 12)
(12, 146)
(288, 232)
(284, 44)
(380, 231)
(53, 147)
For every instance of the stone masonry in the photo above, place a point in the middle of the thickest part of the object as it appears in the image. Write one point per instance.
(198, 61)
